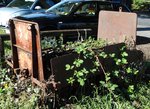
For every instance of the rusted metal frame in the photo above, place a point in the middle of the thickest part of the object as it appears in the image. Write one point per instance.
(34, 53)
(22, 49)
(57, 33)
(13, 41)
(37, 53)
(37, 63)
(40, 84)
(65, 32)
(35, 59)
(3, 37)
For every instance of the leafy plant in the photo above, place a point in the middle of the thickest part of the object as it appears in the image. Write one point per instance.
(123, 73)
(85, 51)
(51, 42)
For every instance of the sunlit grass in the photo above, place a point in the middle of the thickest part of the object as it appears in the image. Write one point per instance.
(7, 44)
(7, 50)
(2, 31)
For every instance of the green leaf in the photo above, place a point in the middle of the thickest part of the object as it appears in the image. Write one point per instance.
(123, 48)
(72, 67)
(81, 81)
(124, 61)
(103, 54)
(93, 70)
(1, 90)
(135, 71)
(80, 49)
(102, 82)
(78, 62)
(130, 88)
(68, 67)
(124, 54)
(116, 73)
(112, 55)
(113, 87)
(129, 70)
(70, 80)
(85, 71)
(107, 78)
(118, 61)
(79, 73)
(96, 64)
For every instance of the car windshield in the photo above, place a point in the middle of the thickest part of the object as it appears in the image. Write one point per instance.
(63, 8)
(21, 3)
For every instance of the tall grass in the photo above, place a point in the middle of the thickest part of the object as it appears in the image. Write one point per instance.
(139, 101)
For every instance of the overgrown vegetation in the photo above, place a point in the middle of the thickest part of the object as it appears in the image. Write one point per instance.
(125, 86)
(16, 95)
(119, 85)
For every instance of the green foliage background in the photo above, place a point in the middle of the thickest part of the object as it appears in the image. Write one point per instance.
(141, 5)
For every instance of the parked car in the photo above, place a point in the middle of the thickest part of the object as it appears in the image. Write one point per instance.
(23, 7)
(73, 14)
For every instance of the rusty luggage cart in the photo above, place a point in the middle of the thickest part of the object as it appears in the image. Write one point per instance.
(28, 57)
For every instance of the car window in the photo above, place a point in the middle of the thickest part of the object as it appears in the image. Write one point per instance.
(64, 8)
(125, 8)
(113, 7)
(88, 9)
(44, 4)
(106, 7)
(21, 3)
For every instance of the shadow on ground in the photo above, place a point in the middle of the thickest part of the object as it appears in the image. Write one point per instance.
(142, 40)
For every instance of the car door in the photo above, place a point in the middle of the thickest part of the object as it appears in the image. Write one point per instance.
(84, 16)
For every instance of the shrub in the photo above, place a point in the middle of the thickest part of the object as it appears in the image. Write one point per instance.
(141, 5)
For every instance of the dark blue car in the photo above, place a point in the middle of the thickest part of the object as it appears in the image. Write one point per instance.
(73, 14)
